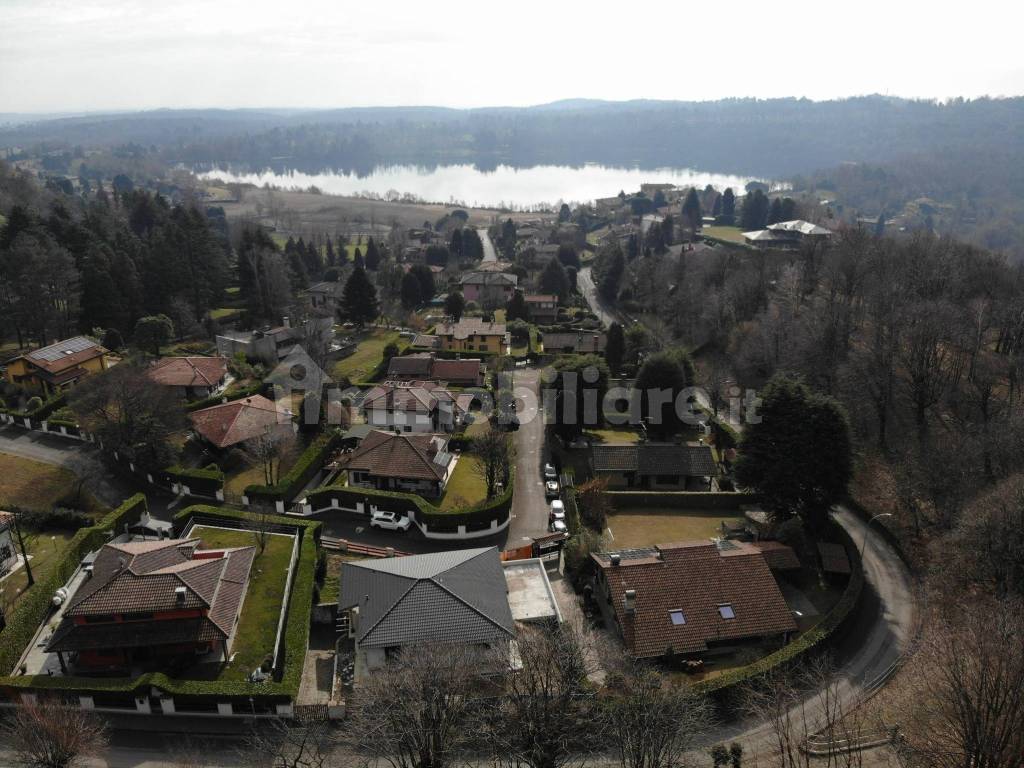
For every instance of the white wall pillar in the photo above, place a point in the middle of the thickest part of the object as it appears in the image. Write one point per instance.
(220, 494)
(225, 708)
(279, 506)
(167, 705)
(142, 706)
(284, 710)
(86, 702)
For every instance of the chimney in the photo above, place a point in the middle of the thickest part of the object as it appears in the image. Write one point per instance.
(179, 595)
(630, 601)
(616, 558)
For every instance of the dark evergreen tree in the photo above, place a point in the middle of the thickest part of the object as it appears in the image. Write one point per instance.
(660, 380)
(357, 258)
(454, 305)
(554, 279)
(516, 308)
(611, 281)
(412, 297)
(372, 255)
(728, 206)
(426, 280)
(564, 214)
(568, 256)
(691, 210)
(359, 299)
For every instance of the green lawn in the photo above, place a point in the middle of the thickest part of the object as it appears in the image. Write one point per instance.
(613, 435)
(221, 312)
(465, 487)
(361, 364)
(646, 526)
(34, 485)
(732, 234)
(257, 628)
(45, 550)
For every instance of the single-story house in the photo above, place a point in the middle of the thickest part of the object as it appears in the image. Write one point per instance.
(151, 601)
(413, 463)
(56, 367)
(242, 421)
(190, 377)
(575, 342)
(421, 406)
(692, 598)
(423, 367)
(542, 307)
(787, 234)
(460, 597)
(664, 466)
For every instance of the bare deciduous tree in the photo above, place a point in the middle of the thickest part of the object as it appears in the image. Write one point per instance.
(545, 715)
(493, 450)
(652, 721)
(47, 734)
(278, 744)
(969, 695)
(420, 710)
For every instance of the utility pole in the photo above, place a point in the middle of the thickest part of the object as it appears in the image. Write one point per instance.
(24, 552)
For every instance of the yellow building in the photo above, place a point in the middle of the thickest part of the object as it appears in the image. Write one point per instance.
(471, 334)
(58, 366)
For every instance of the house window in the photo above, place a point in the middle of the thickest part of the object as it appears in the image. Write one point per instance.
(677, 616)
(726, 612)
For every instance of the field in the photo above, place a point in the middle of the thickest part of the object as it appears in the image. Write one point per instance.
(732, 234)
(368, 355)
(613, 435)
(323, 212)
(257, 627)
(644, 527)
(465, 487)
(34, 485)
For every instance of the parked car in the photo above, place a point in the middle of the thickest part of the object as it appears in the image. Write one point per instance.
(389, 521)
(558, 526)
(551, 489)
(557, 511)
(549, 472)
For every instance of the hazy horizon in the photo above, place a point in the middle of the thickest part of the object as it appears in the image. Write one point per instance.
(104, 56)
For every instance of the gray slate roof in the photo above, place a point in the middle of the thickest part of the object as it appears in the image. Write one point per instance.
(655, 459)
(457, 596)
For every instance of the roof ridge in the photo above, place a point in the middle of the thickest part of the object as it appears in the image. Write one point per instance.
(384, 614)
(463, 600)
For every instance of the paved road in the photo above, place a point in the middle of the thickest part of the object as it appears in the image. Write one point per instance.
(529, 507)
(490, 254)
(84, 461)
(586, 286)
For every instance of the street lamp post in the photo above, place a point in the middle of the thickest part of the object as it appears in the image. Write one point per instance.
(867, 530)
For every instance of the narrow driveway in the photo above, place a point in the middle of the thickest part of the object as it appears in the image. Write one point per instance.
(489, 253)
(529, 507)
(587, 287)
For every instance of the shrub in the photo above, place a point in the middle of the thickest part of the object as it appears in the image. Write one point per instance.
(34, 404)
(307, 465)
(56, 519)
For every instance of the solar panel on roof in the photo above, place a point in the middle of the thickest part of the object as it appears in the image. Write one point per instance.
(63, 348)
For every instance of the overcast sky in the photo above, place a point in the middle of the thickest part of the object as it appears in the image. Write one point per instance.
(58, 55)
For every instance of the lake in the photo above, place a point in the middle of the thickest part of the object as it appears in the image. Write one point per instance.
(504, 186)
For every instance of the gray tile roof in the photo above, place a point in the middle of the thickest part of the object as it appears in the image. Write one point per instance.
(457, 596)
(654, 459)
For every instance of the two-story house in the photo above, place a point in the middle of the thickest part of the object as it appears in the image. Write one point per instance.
(54, 368)
(150, 601)
(419, 406)
(489, 289)
(471, 334)
(542, 307)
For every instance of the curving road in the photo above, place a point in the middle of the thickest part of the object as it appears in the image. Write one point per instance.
(586, 286)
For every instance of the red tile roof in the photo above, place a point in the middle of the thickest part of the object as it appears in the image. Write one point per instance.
(239, 420)
(385, 454)
(144, 577)
(188, 371)
(694, 578)
(778, 556)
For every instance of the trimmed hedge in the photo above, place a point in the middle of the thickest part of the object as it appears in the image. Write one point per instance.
(296, 635)
(208, 480)
(683, 499)
(40, 413)
(34, 607)
(238, 394)
(812, 641)
(307, 465)
(475, 517)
